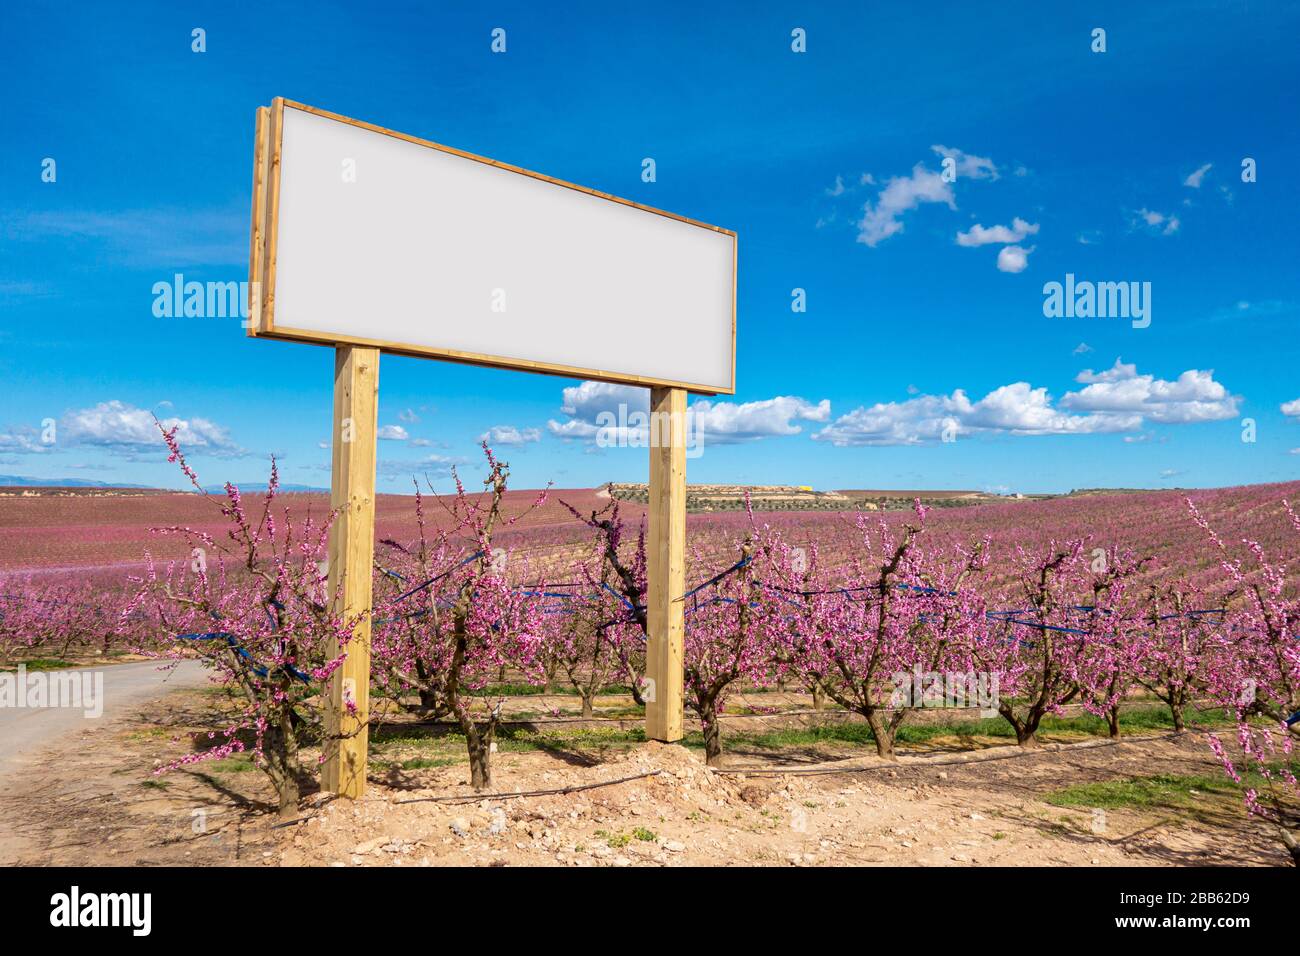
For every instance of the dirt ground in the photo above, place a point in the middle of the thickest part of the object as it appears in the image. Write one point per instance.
(94, 800)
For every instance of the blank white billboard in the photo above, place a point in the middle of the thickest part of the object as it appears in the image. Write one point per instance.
(376, 238)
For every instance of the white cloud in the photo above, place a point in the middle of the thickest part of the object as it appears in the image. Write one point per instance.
(1158, 221)
(978, 235)
(771, 417)
(968, 166)
(718, 422)
(1292, 408)
(409, 416)
(1194, 180)
(393, 433)
(572, 429)
(439, 466)
(119, 427)
(24, 441)
(901, 194)
(587, 400)
(1194, 397)
(509, 435)
(1014, 258)
(1116, 373)
(115, 424)
(838, 188)
(1018, 409)
(1115, 400)
(1082, 349)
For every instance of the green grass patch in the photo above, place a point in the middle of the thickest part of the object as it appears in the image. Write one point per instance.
(532, 690)
(235, 763)
(416, 746)
(1161, 791)
(1164, 791)
(615, 841)
(1144, 719)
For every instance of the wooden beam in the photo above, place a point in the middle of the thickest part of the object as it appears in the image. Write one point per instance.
(666, 560)
(351, 556)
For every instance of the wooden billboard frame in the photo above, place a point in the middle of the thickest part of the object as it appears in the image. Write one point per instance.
(262, 321)
(352, 486)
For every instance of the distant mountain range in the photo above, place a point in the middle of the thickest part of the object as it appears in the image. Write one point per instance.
(16, 481)
(254, 487)
(21, 481)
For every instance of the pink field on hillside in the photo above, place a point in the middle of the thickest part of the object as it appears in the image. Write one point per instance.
(105, 538)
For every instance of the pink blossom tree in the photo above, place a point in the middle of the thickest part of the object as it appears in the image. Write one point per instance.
(858, 634)
(1261, 682)
(470, 622)
(252, 607)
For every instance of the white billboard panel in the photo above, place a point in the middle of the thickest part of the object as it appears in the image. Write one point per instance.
(376, 238)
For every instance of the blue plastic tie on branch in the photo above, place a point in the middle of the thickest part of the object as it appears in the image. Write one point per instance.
(436, 578)
(634, 608)
(233, 643)
(716, 578)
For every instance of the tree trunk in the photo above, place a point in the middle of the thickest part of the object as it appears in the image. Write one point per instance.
(1112, 721)
(289, 795)
(818, 696)
(428, 696)
(712, 734)
(280, 747)
(587, 709)
(882, 731)
(478, 742)
(480, 762)
(1176, 709)
(637, 697)
(1025, 729)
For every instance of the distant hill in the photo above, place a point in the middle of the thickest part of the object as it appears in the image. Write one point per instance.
(803, 498)
(14, 483)
(1083, 492)
(20, 481)
(260, 485)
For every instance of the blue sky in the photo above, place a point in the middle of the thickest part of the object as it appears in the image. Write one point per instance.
(924, 297)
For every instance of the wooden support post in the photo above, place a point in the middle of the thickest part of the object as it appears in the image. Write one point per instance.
(666, 560)
(351, 556)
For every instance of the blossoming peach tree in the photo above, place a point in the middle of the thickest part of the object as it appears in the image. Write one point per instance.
(251, 605)
(1260, 679)
(468, 620)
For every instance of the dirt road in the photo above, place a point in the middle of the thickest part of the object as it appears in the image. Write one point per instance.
(26, 731)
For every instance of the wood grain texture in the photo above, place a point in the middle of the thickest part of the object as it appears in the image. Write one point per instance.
(261, 218)
(351, 557)
(666, 560)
